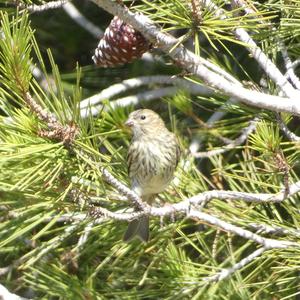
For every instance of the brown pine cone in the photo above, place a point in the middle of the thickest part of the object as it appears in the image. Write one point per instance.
(120, 44)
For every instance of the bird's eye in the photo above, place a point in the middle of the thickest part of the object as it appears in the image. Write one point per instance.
(143, 117)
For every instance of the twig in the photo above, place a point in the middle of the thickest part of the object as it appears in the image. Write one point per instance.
(289, 134)
(144, 96)
(246, 8)
(43, 114)
(295, 63)
(195, 64)
(109, 178)
(238, 141)
(242, 263)
(289, 67)
(83, 238)
(134, 83)
(64, 133)
(5, 294)
(49, 5)
(215, 244)
(130, 100)
(96, 187)
(266, 242)
(81, 20)
(277, 230)
(196, 142)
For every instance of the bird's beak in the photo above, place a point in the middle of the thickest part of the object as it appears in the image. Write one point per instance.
(129, 123)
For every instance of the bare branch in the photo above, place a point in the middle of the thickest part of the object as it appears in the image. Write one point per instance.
(266, 242)
(289, 134)
(185, 207)
(5, 294)
(130, 100)
(289, 67)
(49, 5)
(201, 216)
(196, 142)
(134, 83)
(143, 96)
(242, 263)
(81, 20)
(238, 141)
(245, 6)
(277, 230)
(125, 190)
(192, 213)
(295, 63)
(83, 238)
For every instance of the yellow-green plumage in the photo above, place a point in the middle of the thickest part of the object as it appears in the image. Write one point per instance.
(152, 159)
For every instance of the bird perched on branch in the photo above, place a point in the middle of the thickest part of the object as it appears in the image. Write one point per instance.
(152, 159)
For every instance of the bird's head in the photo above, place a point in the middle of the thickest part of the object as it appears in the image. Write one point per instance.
(145, 123)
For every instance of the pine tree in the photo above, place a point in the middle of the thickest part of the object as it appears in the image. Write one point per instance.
(229, 225)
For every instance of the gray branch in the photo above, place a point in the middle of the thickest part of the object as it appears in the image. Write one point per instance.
(82, 21)
(49, 5)
(276, 230)
(289, 134)
(289, 67)
(242, 263)
(238, 141)
(93, 106)
(5, 294)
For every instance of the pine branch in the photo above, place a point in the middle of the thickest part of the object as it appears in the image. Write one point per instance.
(49, 5)
(75, 202)
(289, 134)
(233, 144)
(5, 294)
(289, 67)
(137, 82)
(196, 65)
(81, 20)
(242, 263)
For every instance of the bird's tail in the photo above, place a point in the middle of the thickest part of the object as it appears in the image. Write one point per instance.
(138, 227)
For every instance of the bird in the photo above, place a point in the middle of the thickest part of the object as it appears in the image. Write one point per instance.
(152, 158)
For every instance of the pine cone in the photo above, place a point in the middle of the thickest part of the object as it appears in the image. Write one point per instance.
(120, 44)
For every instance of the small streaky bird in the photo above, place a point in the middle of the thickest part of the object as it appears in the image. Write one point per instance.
(152, 159)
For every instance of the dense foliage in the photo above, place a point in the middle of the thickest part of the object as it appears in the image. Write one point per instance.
(52, 247)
